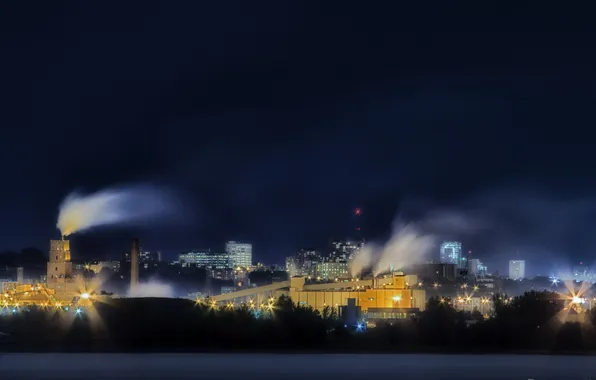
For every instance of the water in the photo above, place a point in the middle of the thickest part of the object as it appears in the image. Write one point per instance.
(292, 366)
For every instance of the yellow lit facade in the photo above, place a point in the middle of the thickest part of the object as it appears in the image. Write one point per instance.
(393, 295)
(62, 287)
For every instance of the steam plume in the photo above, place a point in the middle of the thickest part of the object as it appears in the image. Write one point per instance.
(152, 289)
(407, 245)
(410, 243)
(124, 205)
(363, 259)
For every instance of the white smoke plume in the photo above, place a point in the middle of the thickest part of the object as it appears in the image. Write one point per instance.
(126, 205)
(151, 289)
(411, 243)
(362, 260)
(407, 245)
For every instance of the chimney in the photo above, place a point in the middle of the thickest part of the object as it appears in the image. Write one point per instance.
(134, 265)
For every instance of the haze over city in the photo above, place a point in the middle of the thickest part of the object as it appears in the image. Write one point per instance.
(291, 189)
(275, 135)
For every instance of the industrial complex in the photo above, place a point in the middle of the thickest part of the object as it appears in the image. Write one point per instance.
(381, 297)
(61, 289)
(385, 297)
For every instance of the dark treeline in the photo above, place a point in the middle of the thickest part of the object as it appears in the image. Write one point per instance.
(532, 322)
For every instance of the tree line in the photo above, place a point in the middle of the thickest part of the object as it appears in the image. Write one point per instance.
(534, 321)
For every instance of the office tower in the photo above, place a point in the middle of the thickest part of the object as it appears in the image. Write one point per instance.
(476, 268)
(517, 269)
(240, 253)
(451, 254)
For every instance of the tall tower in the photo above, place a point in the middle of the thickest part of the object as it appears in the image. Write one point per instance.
(134, 265)
(59, 266)
(358, 225)
(20, 276)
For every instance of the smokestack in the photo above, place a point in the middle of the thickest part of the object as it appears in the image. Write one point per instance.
(134, 265)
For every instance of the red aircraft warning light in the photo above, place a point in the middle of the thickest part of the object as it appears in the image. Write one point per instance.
(357, 211)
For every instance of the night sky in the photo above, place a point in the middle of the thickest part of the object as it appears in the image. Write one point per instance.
(275, 120)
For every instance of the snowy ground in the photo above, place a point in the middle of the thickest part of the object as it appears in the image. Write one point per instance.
(269, 366)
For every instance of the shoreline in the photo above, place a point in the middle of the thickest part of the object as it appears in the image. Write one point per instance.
(274, 351)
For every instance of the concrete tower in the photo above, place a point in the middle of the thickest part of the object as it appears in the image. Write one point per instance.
(59, 266)
(134, 265)
(20, 276)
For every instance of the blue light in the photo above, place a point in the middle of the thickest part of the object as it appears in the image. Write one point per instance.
(14, 311)
(78, 310)
(359, 327)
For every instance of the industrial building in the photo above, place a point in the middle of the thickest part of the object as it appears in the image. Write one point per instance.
(389, 297)
(62, 287)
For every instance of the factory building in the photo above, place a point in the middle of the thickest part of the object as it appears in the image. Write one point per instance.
(60, 278)
(436, 272)
(393, 294)
(388, 297)
(62, 287)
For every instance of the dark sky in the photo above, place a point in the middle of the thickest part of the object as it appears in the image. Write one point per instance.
(274, 120)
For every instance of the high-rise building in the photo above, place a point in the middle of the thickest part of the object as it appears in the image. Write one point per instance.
(332, 270)
(240, 253)
(149, 257)
(344, 250)
(517, 269)
(451, 254)
(476, 268)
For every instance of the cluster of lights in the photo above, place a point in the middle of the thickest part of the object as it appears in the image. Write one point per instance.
(8, 301)
(213, 305)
